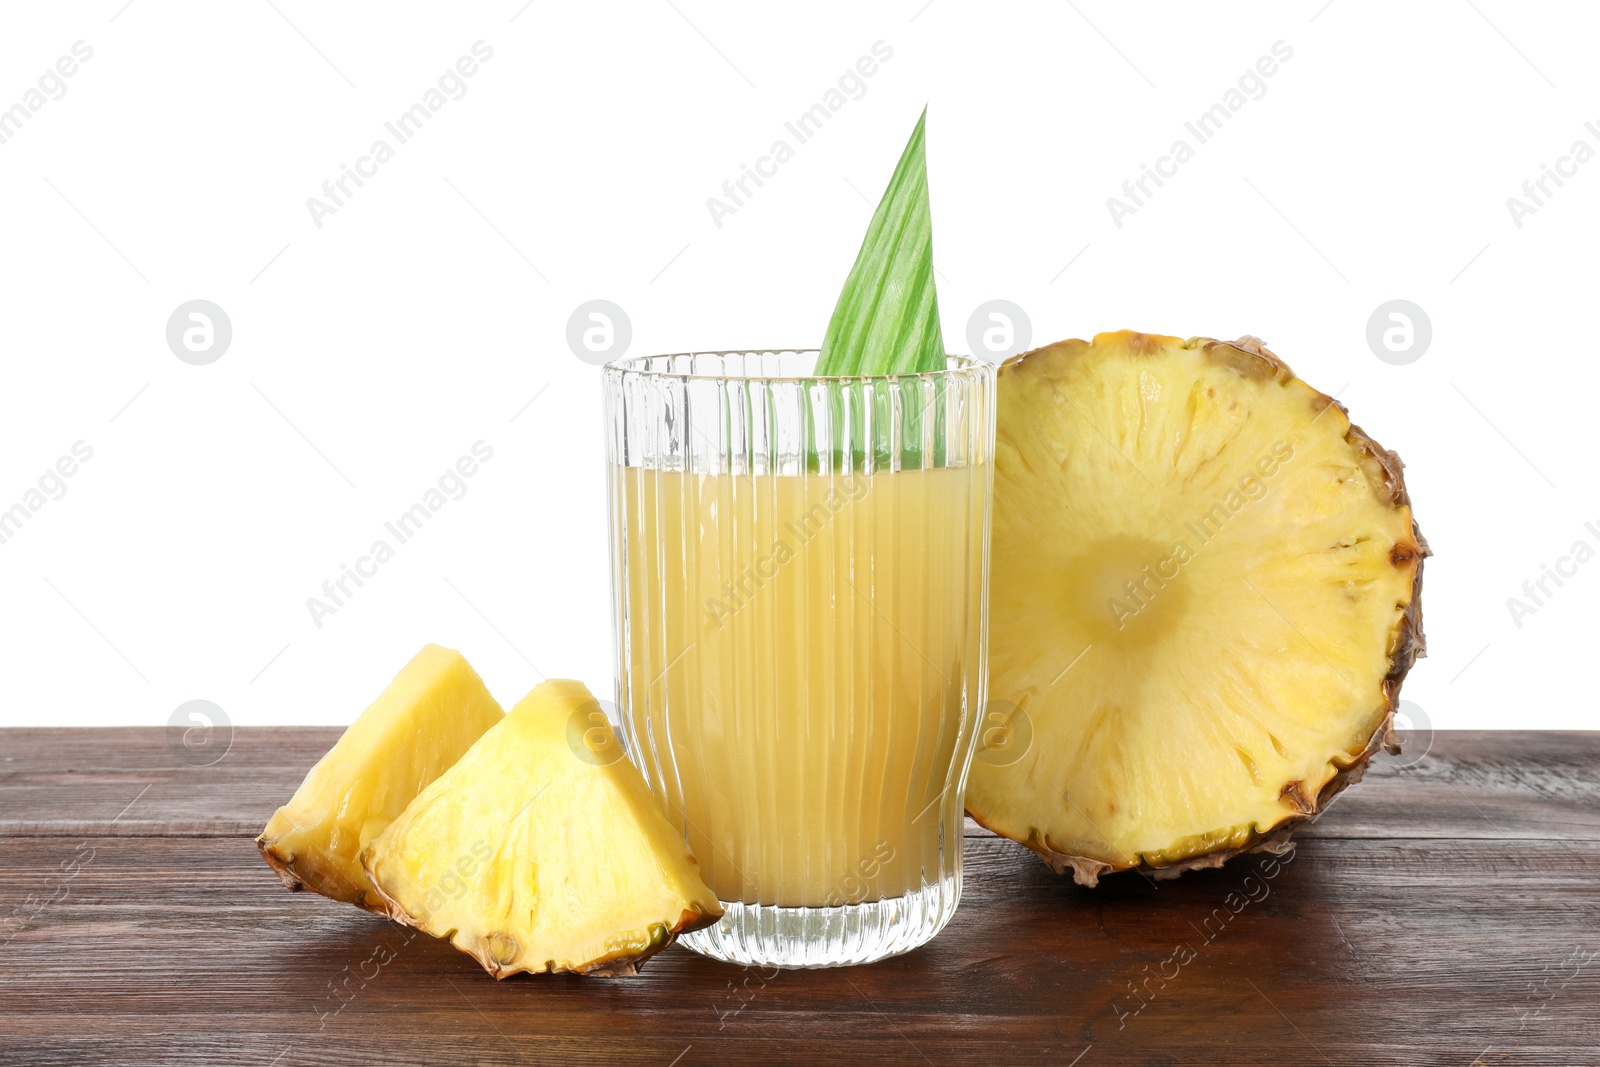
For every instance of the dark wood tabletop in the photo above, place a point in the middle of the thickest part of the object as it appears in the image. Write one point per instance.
(1442, 912)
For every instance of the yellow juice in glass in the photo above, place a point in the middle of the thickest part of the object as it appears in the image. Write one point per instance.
(795, 661)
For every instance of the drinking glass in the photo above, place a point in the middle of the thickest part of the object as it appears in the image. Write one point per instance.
(800, 570)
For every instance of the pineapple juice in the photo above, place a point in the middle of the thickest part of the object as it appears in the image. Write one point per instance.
(792, 664)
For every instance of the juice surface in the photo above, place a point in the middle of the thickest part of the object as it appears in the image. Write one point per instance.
(797, 672)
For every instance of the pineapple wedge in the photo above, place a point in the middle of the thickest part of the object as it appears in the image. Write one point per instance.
(431, 713)
(1205, 595)
(531, 855)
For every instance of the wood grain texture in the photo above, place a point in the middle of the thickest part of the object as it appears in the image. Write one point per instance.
(1447, 912)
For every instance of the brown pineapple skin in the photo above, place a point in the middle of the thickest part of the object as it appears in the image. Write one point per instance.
(1250, 357)
(320, 878)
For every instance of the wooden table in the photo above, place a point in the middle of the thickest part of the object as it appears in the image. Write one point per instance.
(1446, 912)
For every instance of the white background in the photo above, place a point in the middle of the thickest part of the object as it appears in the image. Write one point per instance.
(369, 353)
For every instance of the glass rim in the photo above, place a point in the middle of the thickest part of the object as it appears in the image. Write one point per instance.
(956, 365)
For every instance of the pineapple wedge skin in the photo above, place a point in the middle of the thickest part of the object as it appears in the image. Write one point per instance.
(1386, 653)
(530, 858)
(425, 720)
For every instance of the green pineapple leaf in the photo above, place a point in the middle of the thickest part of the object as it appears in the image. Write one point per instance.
(887, 318)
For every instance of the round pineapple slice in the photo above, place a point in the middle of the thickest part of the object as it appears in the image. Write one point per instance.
(1204, 597)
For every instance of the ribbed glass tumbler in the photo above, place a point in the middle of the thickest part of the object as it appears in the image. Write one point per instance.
(800, 571)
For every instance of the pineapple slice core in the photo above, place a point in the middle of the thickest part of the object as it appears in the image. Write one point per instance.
(431, 713)
(542, 850)
(1202, 600)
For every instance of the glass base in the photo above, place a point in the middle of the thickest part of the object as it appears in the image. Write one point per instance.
(765, 935)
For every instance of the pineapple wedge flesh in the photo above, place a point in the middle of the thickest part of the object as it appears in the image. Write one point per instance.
(1204, 597)
(422, 723)
(533, 853)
